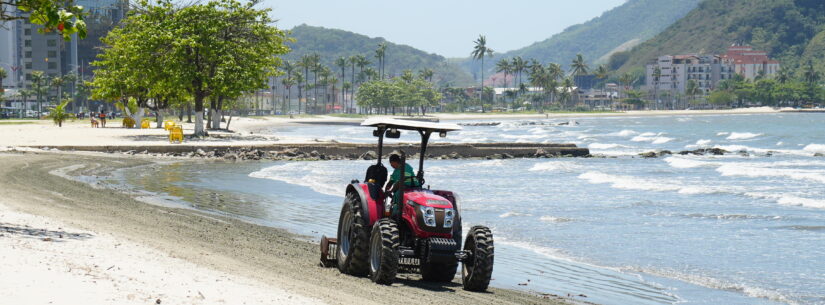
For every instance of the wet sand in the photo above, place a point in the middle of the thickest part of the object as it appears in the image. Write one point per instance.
(266, 256)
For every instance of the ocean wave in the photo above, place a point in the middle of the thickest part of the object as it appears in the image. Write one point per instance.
(757, 172)
(722, 133)
(703, 142)
(789, 200)
(682, 162)
(554, 166)
(815, 148)
(514, 214)
(652, 138)
(634, 183)
(554, 219)
(625, 133)
(743, 135)
(605, 146)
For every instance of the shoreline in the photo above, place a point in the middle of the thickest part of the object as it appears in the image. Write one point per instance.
(268, 255)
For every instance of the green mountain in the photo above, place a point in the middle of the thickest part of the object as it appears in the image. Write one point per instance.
(618, 29)
(332, 44)
(791, 31)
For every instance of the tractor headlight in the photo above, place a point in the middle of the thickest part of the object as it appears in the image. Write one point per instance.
(428, 213)
(448, 218)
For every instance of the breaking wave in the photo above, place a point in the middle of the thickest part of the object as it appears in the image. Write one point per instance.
(743, 135)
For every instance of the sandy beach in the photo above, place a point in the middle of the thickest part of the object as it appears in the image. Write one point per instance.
(69, 241)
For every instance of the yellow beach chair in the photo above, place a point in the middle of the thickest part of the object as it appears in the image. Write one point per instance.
(176, 134)
(168, 124)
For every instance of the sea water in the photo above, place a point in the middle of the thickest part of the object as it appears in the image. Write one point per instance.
(747, 227)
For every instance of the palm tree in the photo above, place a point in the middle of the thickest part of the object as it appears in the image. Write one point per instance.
(381, 54)
(627, 80)
(346, 86)
(810, 75)
(503, 66)
(39, 86)
(568, 85)
(602, 71)
(426, 74)
(480, 50)
(298, 79)
(306, 63)
(288, 82)
(579, 66)
(58, 113)
(57, 83)
(657, 74)
(518, 65)
(343, 63)
(692, 89)
(24, 94)
(783, 76)
(316, 69)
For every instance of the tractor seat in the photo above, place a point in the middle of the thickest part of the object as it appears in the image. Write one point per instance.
(378, 173)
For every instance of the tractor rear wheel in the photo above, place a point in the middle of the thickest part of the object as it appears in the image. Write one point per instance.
(384, 252)
(353, 238)
(477, 271)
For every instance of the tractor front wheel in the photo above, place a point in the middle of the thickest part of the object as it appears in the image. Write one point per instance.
(384, 252)
(478, 269)
(353, 238)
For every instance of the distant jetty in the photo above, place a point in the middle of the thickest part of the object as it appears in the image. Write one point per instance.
(343, 151)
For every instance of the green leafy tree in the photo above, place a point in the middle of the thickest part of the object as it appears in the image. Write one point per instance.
(40, 86)
(721, 98)
(692, 90)
(503, 66)
(62, 16)
(216, 51)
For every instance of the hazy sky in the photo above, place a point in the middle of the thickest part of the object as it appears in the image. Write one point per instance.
(446, 27)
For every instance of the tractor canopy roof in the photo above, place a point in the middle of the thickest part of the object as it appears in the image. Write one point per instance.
(390, 123)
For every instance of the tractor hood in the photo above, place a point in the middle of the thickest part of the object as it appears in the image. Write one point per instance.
(428, 199)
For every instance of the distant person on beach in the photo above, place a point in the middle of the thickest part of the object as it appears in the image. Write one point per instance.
(102, 119)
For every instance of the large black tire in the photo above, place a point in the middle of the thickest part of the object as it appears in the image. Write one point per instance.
(384, 251)
(476, 272)
(353, 238)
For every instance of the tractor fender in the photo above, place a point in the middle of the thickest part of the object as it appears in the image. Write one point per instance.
(368, 204)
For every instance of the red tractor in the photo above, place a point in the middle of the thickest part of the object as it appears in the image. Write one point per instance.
(423, 236)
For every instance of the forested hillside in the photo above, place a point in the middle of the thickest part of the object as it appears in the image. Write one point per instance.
(332, 44)
(792, 31)
(616, 30)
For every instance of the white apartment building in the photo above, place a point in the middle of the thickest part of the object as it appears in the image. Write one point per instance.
(707, 70)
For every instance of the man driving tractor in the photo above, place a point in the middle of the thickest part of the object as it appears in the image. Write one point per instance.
(395, 177)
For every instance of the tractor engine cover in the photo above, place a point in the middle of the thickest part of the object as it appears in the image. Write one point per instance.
(429, 215)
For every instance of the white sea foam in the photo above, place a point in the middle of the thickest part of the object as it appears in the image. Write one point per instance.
(652, 138)
(758, 172)
(703, 142)
(514, 214)
(743, 135)
(815, 148)
(554, 219)
(625, 133)
(605, 146)
(635, 183)
(722, 133)
(555, 166)
(684, 162)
